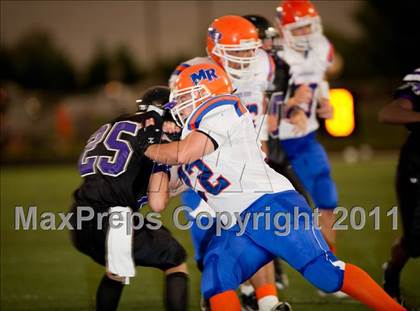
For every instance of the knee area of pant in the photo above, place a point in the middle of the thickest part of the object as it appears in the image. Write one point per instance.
(325, 273)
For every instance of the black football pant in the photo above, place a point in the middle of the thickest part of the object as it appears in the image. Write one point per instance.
(408, 194)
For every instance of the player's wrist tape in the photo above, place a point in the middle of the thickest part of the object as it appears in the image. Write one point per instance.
(119, 257)
(162, 168)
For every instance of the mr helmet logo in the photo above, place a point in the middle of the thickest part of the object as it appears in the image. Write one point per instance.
(203, 74)
(214, 34)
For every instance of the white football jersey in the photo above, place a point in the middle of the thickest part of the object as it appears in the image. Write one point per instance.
(235, 175)
(306, 68)
(251, 91)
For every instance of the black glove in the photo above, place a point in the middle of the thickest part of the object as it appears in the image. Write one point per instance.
(151, 134)
(157, 118)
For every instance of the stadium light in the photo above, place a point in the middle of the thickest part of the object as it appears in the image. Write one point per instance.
(343, 123)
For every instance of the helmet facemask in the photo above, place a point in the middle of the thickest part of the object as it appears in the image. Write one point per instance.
(245, 66)
(304, 42)
(183, 102)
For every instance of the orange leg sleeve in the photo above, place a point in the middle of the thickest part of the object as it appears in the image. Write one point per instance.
(266, 290)
(226, 301)
(359, 285)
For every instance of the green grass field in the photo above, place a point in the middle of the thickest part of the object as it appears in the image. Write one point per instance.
(40, 270)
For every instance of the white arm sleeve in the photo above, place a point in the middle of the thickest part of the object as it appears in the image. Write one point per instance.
(119, 243)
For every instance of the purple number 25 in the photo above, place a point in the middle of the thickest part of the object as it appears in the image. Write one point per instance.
(113, 165)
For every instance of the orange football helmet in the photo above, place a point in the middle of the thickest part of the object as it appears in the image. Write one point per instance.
(293, 14)
(193, 86)
(227, 38)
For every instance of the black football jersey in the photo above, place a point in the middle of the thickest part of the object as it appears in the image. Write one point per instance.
(114, 169)
(280, 89)
(410, 89)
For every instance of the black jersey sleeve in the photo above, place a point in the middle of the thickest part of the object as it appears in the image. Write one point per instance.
(280, 85)
(282, 75)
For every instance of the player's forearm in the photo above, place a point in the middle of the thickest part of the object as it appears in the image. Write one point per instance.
(174, 153)
(400, 117)
(158, 194)
(164, 153)
(394, 113)
(188, 150)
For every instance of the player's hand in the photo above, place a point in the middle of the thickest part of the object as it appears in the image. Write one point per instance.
(171, 130)
(325, 110)
(149, 122)
(299, 120)
(170, 127)
(303, 95)
(151, 134)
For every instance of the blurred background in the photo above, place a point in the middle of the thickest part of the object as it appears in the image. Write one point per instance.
(69, 66)
(66, 66)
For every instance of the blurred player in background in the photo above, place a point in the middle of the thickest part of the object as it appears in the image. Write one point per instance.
(233, 43)
(405, 110)
(307, 54)
(218, 157)
(118, 179)
(277, 158)
(267, 33)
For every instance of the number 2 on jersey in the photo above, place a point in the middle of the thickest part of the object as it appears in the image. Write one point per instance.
(113, 165)
(203, 177)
